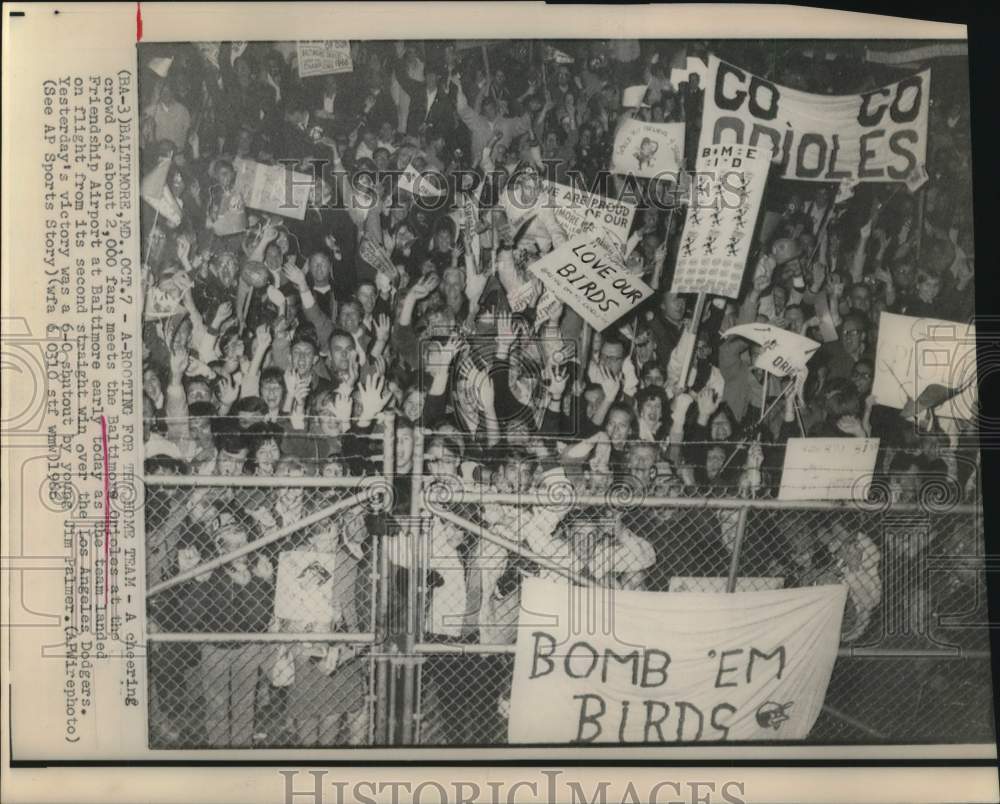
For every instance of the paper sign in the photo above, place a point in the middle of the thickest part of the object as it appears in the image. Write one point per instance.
(875, 136)
(304, 586)
(271, 189)
(721, 218)
(828, 468)
(672, 668)
(928, 360)
(324, 57)
(589, 279)
(653, 150)
(683, 583)
(782, 352)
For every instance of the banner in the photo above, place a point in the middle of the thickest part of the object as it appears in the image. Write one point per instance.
(828, 468)
(782, 352)
(927, 360)
(672, 667)
(721, 219)
(653, 150)
(304, 586)
(589, 279)
(873, 136)
(324, 57)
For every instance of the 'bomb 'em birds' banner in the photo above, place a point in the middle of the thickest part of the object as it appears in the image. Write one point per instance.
(879, 135)
(672, 667)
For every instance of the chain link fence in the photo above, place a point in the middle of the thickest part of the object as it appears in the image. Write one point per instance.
(262, 606)
(914, 658)
(292, 611)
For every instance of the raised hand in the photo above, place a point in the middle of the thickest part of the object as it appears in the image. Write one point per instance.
(425, 286)
(222, 314)
(373, 397)
(609, 383)
(558, 377)
(228, 390)
(382, 328)
(294, 274)
(263, 338)
(475, 284)
(708, 402)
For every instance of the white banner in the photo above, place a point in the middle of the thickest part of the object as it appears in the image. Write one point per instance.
(589, 279)
(672, 666)
(721, 218)
(653, 150)
(928, 360)
(828, 468)
(324, 57)
(878, 135)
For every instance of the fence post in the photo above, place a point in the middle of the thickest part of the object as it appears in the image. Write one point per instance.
(382, 697)
(734, 564)
(413, 598)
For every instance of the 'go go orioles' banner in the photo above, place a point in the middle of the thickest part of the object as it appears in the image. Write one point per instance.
(879, 135)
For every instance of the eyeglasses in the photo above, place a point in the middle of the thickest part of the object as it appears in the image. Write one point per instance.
(642, 344)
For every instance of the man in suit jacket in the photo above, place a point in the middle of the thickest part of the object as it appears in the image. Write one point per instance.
(431, 105)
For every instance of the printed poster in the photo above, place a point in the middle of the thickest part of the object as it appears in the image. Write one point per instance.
(720, 222)
(652, 150)
(672, 667)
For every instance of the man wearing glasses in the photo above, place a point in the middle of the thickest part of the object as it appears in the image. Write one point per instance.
(840, 356)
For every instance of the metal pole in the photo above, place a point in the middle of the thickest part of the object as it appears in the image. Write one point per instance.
(513, 547)
(734, 564)
(414, 608)
(298, 636)
(699, 309)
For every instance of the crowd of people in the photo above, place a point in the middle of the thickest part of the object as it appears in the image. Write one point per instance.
(276, 346)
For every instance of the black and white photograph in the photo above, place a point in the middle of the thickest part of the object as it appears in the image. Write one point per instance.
(560, 392)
